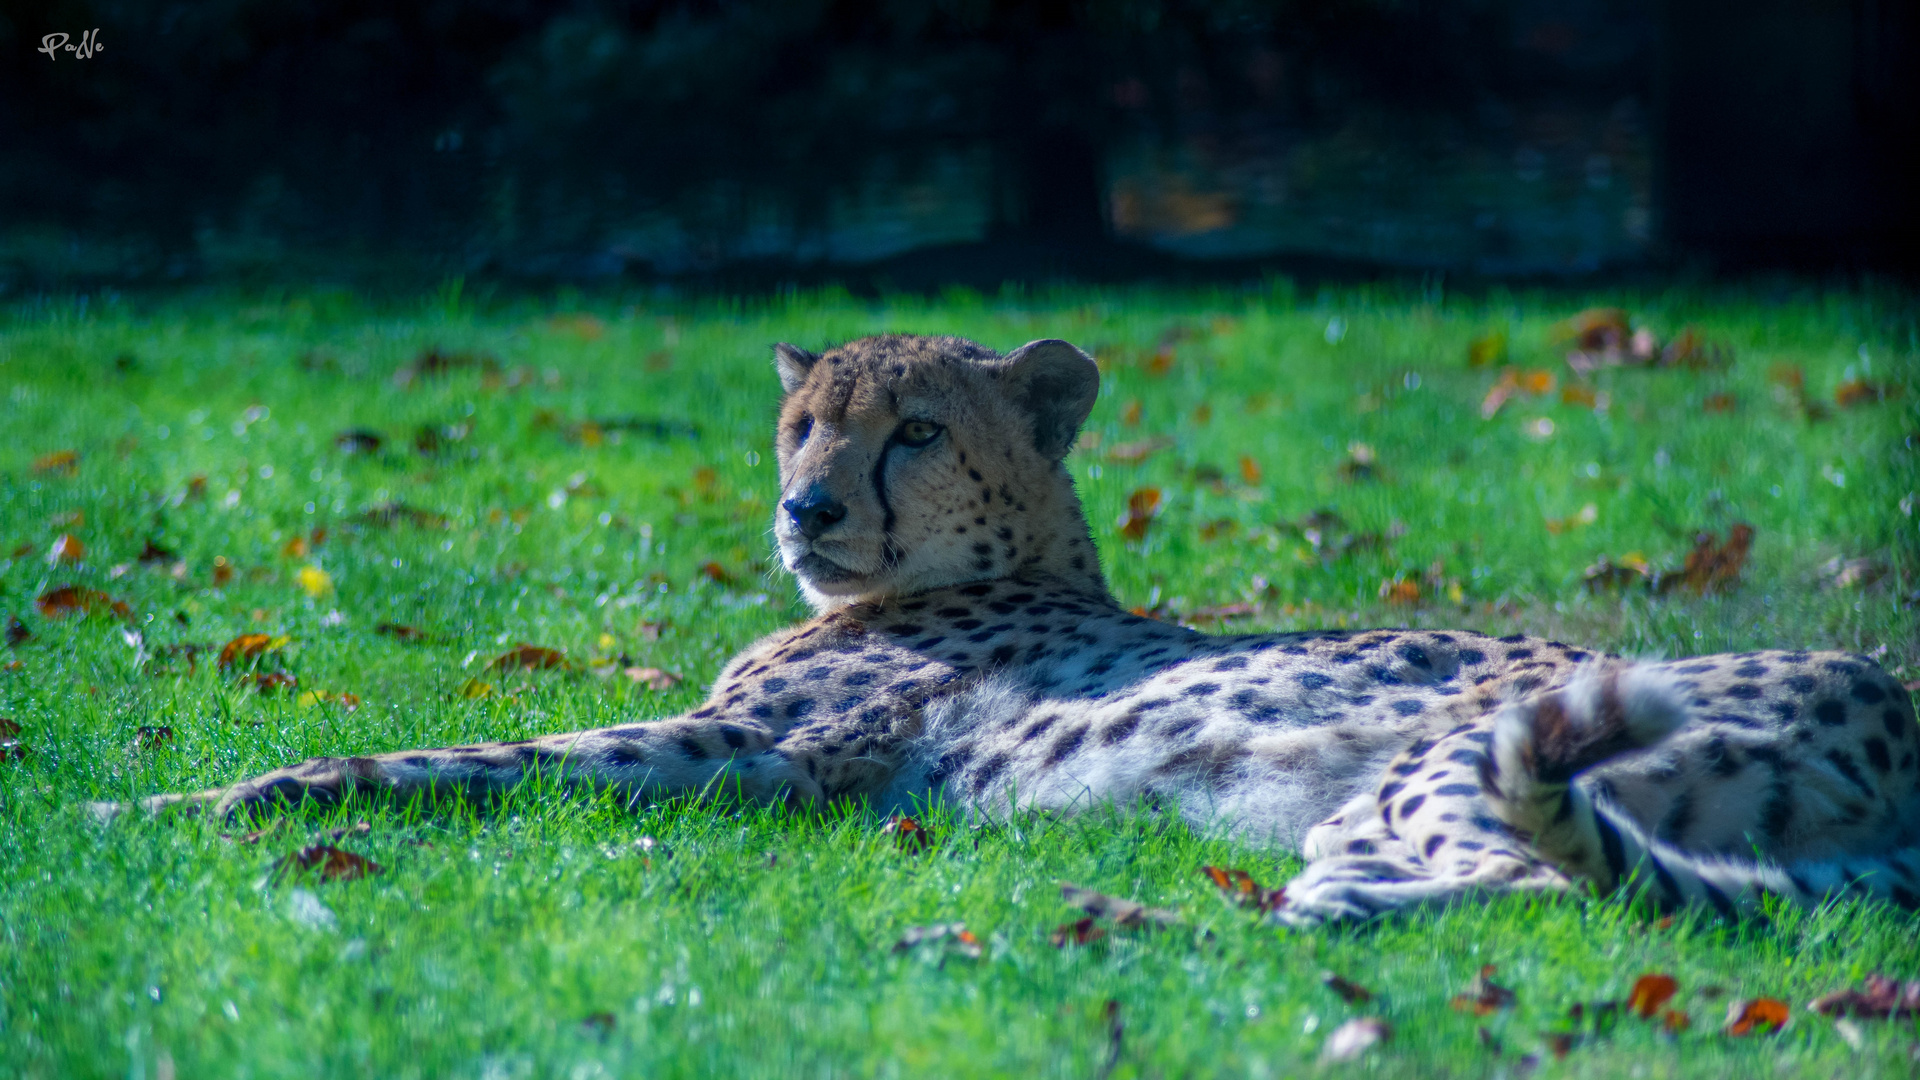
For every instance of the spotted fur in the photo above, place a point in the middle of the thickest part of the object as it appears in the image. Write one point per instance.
(966, 647)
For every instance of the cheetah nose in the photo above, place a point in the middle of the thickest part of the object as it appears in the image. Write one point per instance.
(814, 512)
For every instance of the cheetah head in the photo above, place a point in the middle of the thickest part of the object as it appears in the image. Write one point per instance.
(909, 463)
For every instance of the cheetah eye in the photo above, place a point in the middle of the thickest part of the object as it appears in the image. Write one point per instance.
(803, 429)
(918, 433)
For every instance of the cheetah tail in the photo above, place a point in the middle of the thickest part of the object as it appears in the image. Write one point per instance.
(1543, 741)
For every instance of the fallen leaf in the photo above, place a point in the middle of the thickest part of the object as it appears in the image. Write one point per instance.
(1249, 470)
(951, 937)
(1079, 932)
(1238, 887)
(1203, 413)
(474, 688)
(1219, 614)
(1608, 574)
(436, 363)
(271, 682)
(1879, 997)
(1487, 349)
(401, 632)
(1650, 992)
(908, 834)
(17, 632)
(716, 573)
(1575, 394)
(1143, 505)
(358, 441)
(1484, 996)
(1675, 1020)
(314, 581)
(11, 748)
(1843, 573)
(1587, 515)
(1125, 913)
(580, 325)
(1130, 413)
(1712, 565)
(1361, 463)
(65, 600)
(1405, 593)
(1161, 361)
(388, 514)
(1511, 383)
(1350, 992)
(333, 864)
(1856, 392)
(1559, 1043)
(222, 571)
(60, 461)
(652, 678)
(151, 553)
(66, 548)
(529, 657)
(1133, 453)
(1593, 330)
(1716, 403)
(598, 1025)
(1690, 348)
(248, 648)
(151, 737)
(1355, 1037)
(1763, 1015)
(311, 698)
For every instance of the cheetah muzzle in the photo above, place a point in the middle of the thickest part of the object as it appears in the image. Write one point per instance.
(966, 647)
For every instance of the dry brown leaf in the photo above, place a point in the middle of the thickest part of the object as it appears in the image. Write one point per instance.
(1220, 613)
(1855, 392)
(1361, 463)
(333, 864)
(1133, 453)
(1125, 913)
(1487, 350)
(389, 514)
(1764, 1015)
(60, 461)
(908, 834)
(401, 632)
(1586, 515)
(1249, 470)
(1712, 565)
(1238, 887)
(1130, 414)
(1405, 593)
(1718, 403)
(1675, 1020)
(1650, 992)
(1079, 932)
(358, 441)
(1355, 1037)
(11, 748)
(1690, 348)
(652, 678)
(528, 657)
(222, 571)
(1484, 996)
(1879, 997)
(66, 548)
(717, 574)
(17, 632)
(269, 683)
(436, 363)
(1559, 1043)
(951, 937)
(248, 648)
(1607, 574)
(1350, 992)
(66, 600)
(598, 1025)
(1143, 505)
(1575, 394)
(1594, 330)
(151, 737)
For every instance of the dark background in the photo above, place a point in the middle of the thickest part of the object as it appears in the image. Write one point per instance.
(919, 141)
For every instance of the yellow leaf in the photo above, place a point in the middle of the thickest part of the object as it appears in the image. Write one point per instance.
(474, 688)
(314, 580)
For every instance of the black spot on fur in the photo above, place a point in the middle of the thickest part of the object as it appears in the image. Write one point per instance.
(1409, 707)
(774, 685)
(1877, 756)
(799, 708)
(1457, 789)
(1745, 691)
(1434, 843)
(1313, 680)
(1118, 731)
(1850, 769)
(1830, 712)
(1360, 847)
(1202, 689)
(1411, 804)
(1868, 693)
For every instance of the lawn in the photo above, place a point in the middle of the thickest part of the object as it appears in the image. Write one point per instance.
(394, 493)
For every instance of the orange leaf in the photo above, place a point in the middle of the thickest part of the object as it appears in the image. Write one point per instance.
(1483, 995)
(1130, 414)
(272, 682)
(908, 834)
(1747, 1017)
(58, 603)
(66, 548)
(1862, 392)
(1241, 889)
(716, 573)
(1078, 932)
(333, 864)
(1161, 361)
(244, 647)
(65, 461)
(222, 570)
(1400, 592)
(1143, 505)
(1249, 470)
(1537, 382)
(295, 548)
(530, 657)
(1650, 992)
(1676, 1020)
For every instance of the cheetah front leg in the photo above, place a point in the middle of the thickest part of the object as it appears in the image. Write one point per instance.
(679, 757)
(1424, 838)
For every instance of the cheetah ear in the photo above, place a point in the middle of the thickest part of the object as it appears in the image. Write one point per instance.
(1055, 384)
(793, 363)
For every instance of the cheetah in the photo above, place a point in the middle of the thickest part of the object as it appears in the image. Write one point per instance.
(967, 648)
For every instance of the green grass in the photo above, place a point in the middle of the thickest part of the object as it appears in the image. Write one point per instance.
(752, 942)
